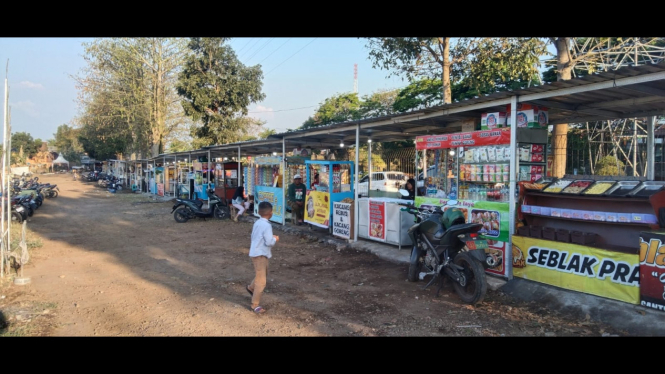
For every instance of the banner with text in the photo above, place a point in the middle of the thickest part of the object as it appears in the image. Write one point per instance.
(274, 197)
(652, 269)
(342, 220)
(595, 271)
(377, 220)
(317, 208)
(464, 139)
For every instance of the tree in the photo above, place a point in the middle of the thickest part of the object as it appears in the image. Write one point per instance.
(480, 62)
(128, 85)
(23, 140)
(66, 141)
(336, 109)
(216, 89)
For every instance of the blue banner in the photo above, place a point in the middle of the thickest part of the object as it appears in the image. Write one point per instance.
(274, 196)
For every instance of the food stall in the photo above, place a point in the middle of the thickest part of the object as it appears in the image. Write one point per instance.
(159, 180)
(473, 170)
(202, 178)
(383, 220)
(226, 179)
(335, 185)
(268, 185)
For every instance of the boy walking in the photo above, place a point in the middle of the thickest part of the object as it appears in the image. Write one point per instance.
(260, 253)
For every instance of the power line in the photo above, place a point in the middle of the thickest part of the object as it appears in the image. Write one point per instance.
(259, 50)
(243, 47)
(291, 56)
(275, 50)
(253, 44)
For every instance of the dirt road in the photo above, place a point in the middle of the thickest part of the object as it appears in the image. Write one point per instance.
(119, 265)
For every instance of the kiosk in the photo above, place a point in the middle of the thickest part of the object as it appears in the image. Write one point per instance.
(335, 185)
(268, 186)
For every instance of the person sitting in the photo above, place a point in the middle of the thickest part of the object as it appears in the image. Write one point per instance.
(239, 202)
(411, 188)
(315, 182)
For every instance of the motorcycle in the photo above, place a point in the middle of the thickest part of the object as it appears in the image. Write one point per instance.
(185, 209)
(445, 246)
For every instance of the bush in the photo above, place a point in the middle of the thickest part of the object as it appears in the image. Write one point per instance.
(610, 165)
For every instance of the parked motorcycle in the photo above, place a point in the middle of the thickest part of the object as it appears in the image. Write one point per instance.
(186, 209)
(445, 246)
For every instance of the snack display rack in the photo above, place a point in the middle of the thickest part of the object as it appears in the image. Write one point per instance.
(268, 185)
(613, 212)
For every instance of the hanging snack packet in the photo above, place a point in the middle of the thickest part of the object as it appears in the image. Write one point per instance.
(491, 154)
(483, 154)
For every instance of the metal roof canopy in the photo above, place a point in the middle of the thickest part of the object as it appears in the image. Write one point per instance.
(628, 92)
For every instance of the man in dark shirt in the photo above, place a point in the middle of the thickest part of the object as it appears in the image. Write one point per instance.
(296, 198)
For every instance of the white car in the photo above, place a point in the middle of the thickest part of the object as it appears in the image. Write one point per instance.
(385, 181)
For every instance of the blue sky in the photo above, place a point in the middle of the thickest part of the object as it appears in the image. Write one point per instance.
(299, 74)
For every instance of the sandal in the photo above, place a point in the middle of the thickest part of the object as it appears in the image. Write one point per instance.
(248, 290)
(259, 310)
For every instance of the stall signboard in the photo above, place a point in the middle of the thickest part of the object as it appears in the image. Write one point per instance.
(595, 271)
(268, 160)
(493, 215)
(342, 220)
(652, 270)
(274, 197)
(317, 208)
(377, 220)
(464, 139)
(160, 189)
(233, 174)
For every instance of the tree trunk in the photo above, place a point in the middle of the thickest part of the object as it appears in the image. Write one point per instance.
(445, 75)
(560, 133)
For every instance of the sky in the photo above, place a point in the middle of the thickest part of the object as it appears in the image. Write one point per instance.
(299, 74)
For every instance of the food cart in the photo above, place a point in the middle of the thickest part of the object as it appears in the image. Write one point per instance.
(473, 170)
(202, 178)
(226, 179)
(335, 185)
(268, 185)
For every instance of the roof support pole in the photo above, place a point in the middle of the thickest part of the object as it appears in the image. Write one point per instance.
(513, 184)
(651, 126)
(355, 187)
(284, 185)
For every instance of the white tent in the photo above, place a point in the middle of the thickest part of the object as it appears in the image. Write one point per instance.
(61, 160)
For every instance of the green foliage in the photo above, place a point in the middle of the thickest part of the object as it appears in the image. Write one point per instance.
(23, 140)
(610, 165)
(216, 89)
(66, 141)
(336, 109)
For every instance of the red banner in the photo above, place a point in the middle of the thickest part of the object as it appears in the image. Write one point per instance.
(377, 220)
(464, 139)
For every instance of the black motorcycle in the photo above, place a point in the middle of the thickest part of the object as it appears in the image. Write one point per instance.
(445, 246)
(186, 209)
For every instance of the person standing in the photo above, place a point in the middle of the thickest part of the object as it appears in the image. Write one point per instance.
(296, 198)
(239, 202)
(411, 187)
(260, 252)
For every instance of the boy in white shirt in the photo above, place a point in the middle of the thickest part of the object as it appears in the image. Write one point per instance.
(260, 253)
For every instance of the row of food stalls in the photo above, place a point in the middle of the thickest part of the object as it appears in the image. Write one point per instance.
(491, 162)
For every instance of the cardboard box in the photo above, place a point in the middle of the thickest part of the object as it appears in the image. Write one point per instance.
(599, 216)
(637, 217)
(625, 217)
(526, 208)
(588, 215)
(491, 121)
(650, 218)
(546, 211)
(528, 116)
(556, 212)
(577, 214)
(612, 217)
(566, 213)
(535, 209)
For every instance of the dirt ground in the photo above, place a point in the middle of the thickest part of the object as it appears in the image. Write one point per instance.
(119, 265)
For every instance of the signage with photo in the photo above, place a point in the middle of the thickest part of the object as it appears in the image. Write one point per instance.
(377, 220)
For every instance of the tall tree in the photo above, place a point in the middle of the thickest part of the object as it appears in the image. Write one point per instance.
(25, 141)
(128, 84)
(477, 61)
(216, 89)
(336, 109)
(66, 141)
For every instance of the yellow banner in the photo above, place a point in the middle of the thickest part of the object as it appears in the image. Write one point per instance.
(317, 208)
(613, 275)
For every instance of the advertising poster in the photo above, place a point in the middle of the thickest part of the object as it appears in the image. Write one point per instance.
(613, 275)
(274, 197)
(464, 139)
(317, 208)
(377, 220)
(342, 220)
(493, 216)
(160, 189)
(652, 270)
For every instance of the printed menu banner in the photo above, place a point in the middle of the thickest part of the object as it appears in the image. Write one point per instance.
(274, 197)
(464, 139)
(613, 275)
(652, 270)
(377, 220)
(492, 215)
(317, 208)
(342, 220)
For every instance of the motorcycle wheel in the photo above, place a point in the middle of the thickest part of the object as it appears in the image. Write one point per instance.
(222, 212)
(180, 215)
(30, 211)
(54, 193)
(414, 265)
(17, 217)
(475, 285)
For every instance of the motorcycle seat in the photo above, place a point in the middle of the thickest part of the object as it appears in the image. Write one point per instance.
(461, 228)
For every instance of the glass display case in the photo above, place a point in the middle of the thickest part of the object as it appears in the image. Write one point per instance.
(268, 185)
(335, 185)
